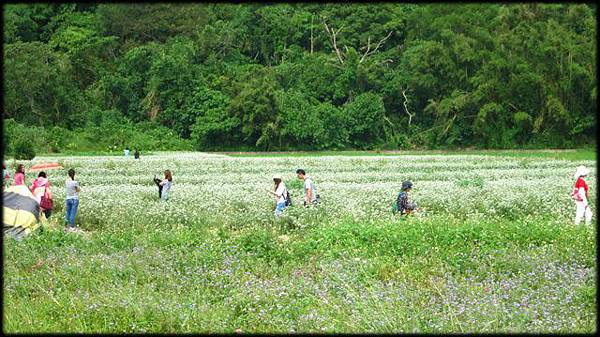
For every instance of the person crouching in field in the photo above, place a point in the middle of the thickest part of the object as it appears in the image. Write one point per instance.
(164, 186)
(310, 190)
(580, 196)
(281, 195)
(42, 193)
(403, 204)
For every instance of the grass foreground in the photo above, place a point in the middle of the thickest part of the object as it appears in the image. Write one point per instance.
(214, 259)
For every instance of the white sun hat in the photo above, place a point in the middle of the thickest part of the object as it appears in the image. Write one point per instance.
(581, 171)
(277, 176)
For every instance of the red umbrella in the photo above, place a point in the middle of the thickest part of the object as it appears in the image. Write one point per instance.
(45, 166)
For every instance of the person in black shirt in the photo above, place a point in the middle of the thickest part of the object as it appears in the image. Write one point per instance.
(157, 182)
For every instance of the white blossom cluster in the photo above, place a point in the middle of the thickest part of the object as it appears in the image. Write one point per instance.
(233, 189)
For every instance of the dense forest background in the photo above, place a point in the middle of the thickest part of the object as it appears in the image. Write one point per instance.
(298, 76)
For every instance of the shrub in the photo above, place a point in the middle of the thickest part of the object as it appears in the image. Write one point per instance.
(23, 149)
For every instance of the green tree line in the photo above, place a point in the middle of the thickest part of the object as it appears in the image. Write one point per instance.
(301, 76)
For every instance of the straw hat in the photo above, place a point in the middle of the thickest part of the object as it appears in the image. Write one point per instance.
(277, 176)
(581, 171)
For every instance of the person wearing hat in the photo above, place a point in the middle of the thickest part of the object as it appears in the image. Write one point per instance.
(403, 204)
(580, 195)
(280, 194)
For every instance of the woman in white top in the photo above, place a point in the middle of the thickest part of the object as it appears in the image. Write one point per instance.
(280, 194)
(72, 199)
(580, 196)
(165, 186)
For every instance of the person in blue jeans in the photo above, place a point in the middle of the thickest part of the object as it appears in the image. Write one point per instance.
(72, 200)
(165, 186)
(280, 195)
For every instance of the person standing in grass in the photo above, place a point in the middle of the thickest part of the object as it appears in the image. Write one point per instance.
(136, 154)
(403, 204)
(280, 194)
(126, 152)
(310, 190)
(5, 176)
(20, 175)
(42, 193)
(580, 196)
(165, 186)
(72, 200)
(157, 182)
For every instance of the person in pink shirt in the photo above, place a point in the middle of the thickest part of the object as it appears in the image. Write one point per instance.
(40, 189)
(580, 196)
(20, 175)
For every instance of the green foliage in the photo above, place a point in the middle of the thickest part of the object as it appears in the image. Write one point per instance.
(23, 149)
(260, 76)
(302, 123)
(255, 106)
(365, 117)
(214, 122)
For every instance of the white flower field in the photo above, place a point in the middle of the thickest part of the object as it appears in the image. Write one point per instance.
(494, 248)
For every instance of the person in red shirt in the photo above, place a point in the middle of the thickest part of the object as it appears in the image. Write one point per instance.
(580, 196)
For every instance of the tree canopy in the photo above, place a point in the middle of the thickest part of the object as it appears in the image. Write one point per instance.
(307, 75)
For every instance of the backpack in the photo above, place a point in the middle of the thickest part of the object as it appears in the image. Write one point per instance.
(314, 188)
(288, 200)
(395, 208)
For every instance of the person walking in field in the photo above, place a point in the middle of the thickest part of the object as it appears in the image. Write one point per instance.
(72, 200)
(20, 175)
(136, 154)
(126, 151)
(403, 204)
(580, 196)
(310, 190)
(165, 186)
(42, 193)
(280, 194)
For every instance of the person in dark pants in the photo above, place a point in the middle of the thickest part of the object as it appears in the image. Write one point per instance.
(136, 154)
(42, 193)
(157, 182)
